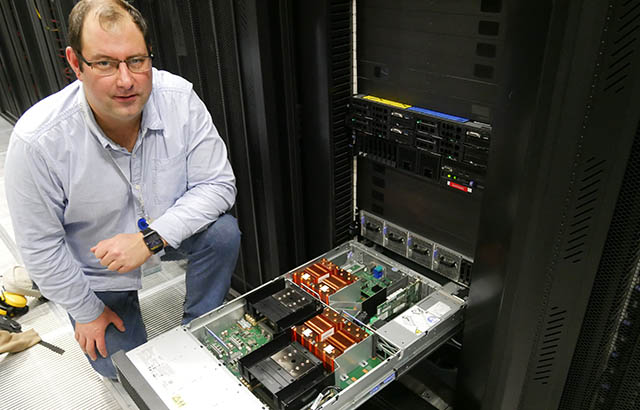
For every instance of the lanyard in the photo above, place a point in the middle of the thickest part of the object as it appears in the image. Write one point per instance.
(137, 192)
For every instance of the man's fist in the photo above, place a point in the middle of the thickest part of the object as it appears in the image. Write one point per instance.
(123, 252)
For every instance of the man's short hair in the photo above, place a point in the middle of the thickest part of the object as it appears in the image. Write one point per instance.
(109, 13)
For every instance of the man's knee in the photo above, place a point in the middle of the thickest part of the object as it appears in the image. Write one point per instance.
(104, 367)
(225, 233)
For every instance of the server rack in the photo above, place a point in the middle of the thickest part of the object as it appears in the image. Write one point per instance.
(554, 87)
(552, 294)
(17, 64)
(8, 104)
(323, 50)
(34, 64)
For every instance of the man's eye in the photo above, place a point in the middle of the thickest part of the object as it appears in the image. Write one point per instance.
(102, 64)
(136, 61)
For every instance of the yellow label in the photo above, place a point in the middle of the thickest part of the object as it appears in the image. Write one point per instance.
(179, 401)
(383, 101)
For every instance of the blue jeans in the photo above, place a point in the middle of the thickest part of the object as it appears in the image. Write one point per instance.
(212, 255)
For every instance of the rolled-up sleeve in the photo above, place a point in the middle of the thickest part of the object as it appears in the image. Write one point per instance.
(37, 202)
(211, 189)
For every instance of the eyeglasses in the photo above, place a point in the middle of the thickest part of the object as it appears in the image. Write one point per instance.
(136, 64)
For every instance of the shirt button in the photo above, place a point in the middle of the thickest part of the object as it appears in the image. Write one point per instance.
(138, 187)
(134, 155)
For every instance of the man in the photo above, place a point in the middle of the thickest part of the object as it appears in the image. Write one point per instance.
(90, 166)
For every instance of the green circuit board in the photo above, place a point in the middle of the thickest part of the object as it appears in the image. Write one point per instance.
(353, 269)
(370, 285)
(239, 340)
(398, 301)
(358, 372)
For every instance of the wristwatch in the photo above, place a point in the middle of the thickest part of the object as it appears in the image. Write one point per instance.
(153, 240)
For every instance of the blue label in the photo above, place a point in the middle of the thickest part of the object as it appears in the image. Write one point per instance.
(438, 114)
(389, 378)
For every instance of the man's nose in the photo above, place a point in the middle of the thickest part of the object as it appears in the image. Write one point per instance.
(123, 76)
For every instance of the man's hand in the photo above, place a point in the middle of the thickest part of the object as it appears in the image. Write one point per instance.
(91, 335)
(123, 252)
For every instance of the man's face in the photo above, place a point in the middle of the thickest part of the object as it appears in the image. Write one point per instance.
(119, 98)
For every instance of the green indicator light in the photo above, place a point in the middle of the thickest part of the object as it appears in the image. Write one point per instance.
(419, 122)
(455, 177)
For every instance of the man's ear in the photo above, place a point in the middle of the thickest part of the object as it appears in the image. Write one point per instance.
(74, 62)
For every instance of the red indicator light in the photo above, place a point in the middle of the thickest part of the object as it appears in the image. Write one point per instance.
(460, 187)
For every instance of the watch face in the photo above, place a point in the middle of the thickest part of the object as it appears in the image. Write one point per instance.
(153, 242)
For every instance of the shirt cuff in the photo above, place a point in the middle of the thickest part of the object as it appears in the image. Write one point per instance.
(89, 311)
(171, 229)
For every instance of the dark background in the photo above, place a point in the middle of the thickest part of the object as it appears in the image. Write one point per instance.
(552, 319)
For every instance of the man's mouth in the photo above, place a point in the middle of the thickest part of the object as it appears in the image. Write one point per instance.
(125, 98)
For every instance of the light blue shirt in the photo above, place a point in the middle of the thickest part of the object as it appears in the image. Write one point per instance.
(68, 186)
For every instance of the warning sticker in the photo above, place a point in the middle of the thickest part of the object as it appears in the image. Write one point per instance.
(439, 309)
(417, 320)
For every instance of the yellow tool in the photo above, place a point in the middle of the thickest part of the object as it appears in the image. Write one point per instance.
(16, 283)
(12, 304)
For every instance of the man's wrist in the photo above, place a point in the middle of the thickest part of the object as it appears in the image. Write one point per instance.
(153, 240)
(89, 311)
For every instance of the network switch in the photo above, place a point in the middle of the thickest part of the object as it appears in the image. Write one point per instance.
(450, 150)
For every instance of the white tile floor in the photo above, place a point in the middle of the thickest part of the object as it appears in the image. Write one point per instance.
(40, 379)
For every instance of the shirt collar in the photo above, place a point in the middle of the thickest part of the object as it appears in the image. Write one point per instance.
(91, 120)
(150, 117)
